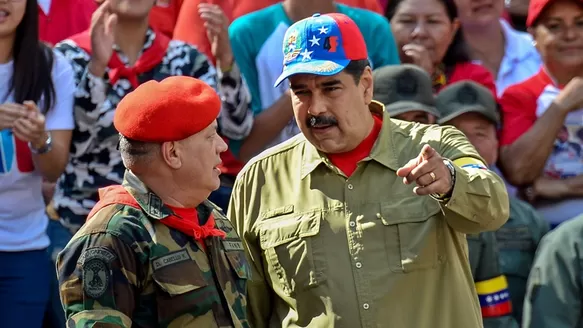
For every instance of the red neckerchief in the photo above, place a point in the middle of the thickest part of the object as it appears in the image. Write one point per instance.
(348, 161)
(187, 224)
(149, 59)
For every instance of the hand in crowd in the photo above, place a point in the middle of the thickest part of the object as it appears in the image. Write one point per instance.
(103, 23)
(10, 113)
(418, 55)
(217, 28)
(545, 188)
(428, 171)
(31, 127)
(571, 97)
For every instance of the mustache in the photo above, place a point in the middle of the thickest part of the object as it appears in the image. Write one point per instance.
(315, 121)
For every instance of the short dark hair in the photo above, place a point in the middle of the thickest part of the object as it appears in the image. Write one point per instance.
(355, 69)
(457, 52)
(134, 148)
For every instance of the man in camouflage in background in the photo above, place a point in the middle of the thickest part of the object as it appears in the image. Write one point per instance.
(500, 260)
(154, 252)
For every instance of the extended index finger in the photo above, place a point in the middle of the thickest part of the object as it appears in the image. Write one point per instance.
(426, 153)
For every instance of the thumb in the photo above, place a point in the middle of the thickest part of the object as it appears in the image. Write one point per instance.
(30, 106)
(110, 25)
(407, 168)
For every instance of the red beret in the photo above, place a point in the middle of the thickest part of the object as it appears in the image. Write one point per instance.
(171, 110)
(536, 8)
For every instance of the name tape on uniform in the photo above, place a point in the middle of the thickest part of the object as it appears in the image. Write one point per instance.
(171, 258)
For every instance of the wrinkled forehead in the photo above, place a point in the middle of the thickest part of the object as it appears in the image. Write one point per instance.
(313, 81)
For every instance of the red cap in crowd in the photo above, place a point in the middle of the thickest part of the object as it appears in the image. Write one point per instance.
(171, 110)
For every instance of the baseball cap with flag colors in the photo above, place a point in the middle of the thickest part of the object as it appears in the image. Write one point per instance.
(321, 45)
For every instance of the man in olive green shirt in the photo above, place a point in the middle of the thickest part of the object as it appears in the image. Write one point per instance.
(472, 109)
(360, 221)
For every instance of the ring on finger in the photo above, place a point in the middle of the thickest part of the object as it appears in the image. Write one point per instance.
(432, 175)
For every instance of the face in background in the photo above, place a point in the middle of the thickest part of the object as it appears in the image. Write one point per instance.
(424, 22)
(194, 161)
(479, 13)
(131, 9)
(11, 14)
(417, 116)
(332, 111)
(558, 33)
(480, 132)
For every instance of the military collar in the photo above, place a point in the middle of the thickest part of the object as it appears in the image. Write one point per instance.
(382, 152)
(148, 201)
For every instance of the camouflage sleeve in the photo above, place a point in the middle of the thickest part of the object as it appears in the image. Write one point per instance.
(98, 276)
(553, 295)
(492, 286)
(259, 294)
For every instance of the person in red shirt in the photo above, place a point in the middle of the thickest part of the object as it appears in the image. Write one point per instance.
(60, 19)
(541, 137)
(181, 19)
(427, 34)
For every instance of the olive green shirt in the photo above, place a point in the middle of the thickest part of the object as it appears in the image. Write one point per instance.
(554, 293)
(363, 251)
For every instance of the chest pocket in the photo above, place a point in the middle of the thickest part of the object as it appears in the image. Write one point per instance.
(294, 251)
(517, 249)
(178, 282)
(413, 237)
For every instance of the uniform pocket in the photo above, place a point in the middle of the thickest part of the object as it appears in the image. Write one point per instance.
(169, 273)
(293, 250)
(412, 236)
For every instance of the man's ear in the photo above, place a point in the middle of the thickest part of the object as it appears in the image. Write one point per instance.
(367, 84)
(171, 154)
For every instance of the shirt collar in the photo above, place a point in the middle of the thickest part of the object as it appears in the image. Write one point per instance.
(148, 201)
(518, 44)
(382, 152)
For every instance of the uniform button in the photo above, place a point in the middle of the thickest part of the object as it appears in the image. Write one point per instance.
(358, 265)
(365, 306)
(350, 186)
(352, 224)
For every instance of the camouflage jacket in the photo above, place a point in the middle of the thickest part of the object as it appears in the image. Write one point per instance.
(125, 268)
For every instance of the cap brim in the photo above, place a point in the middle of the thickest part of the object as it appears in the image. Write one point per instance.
(317, 67)
(401, 107)
(470, 109)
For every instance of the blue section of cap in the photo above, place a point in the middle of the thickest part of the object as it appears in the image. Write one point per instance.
(313, 46)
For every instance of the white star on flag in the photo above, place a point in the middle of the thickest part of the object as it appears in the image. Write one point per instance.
(315, 41)
(323, 30)
(306, 55)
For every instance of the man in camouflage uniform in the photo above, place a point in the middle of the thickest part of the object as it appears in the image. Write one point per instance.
(508, 253)
(154, 252)
(406, 91)
(554, 296)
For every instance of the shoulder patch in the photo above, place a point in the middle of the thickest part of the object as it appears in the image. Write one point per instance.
(96, 271)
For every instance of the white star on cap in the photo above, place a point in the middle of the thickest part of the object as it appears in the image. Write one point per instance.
(323, 30)
(306, 55)
(315, 41)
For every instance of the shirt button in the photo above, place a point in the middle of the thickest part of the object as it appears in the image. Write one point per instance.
(365, 306)
(350, 186)
(358, 265)
(352, 224)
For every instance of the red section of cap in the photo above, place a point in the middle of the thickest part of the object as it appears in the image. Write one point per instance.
(535, 8)
(352, 39)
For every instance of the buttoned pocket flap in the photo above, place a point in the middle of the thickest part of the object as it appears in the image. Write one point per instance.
(176, 273)
(395, 214)
(279, 231)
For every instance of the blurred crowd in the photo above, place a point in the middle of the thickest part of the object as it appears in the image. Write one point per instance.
(508, 74)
